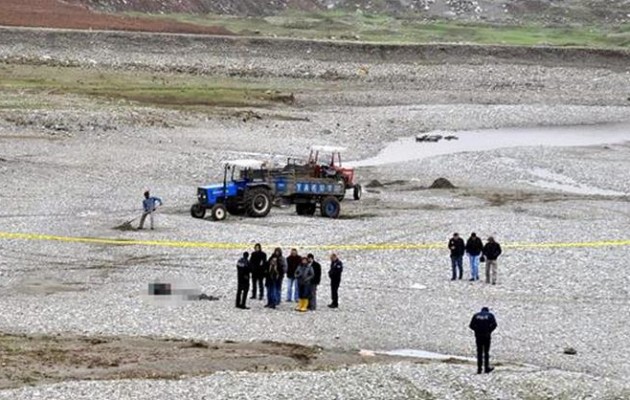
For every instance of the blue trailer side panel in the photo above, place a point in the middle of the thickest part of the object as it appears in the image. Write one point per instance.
(320, 188)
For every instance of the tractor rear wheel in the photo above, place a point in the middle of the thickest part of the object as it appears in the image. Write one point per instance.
(218, 212)
(357, 192)
(197, 211)
(258, 202)
(330, 207)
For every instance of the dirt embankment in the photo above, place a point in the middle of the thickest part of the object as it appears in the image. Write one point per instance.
(248, 47)
(58, 14)
(237, 7)
(34, 359)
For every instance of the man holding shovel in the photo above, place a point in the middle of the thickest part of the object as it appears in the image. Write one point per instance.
(149, 204)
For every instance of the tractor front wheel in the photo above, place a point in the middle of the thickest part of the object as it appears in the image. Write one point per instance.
(258, 202)
(357, 192)
(218, 212)
(330, 207)
(197, 211)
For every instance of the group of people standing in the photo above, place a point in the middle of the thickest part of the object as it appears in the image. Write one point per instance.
(302, 274)
(477, 253)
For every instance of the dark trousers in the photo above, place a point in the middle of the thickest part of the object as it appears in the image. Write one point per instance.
(257, 283)
(312, 302)
(483, 353)
(241, 293)
(457, 263)
(334, 291)
(278, 289)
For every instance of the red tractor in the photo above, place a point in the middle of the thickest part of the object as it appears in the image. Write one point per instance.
(326, 161)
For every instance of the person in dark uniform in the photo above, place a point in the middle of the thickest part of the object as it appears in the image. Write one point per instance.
(336, 268)
(242, 270)
(317, 279)
(483, 323)
(258, 265)
(457, 247)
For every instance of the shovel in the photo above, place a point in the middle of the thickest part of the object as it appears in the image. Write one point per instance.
(126, 226)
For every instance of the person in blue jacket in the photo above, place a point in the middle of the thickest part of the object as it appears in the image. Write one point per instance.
(149, 205)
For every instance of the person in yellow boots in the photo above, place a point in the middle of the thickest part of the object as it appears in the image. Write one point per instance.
(304, 275)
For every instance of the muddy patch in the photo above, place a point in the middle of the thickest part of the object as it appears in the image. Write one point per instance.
(497, 199)
(39, 359)
(365, 215)
(48, 286)
(125, 226)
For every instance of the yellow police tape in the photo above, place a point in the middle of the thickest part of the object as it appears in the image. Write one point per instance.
(336, 247)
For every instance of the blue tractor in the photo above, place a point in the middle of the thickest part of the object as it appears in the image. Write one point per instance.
(246, 190)
(249, 188)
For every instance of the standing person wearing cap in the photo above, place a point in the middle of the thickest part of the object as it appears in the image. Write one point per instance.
(149, 205)
(474, 247)
(258, 265)
(492, 251)
(334, 273)
(317, 279)
(483, 324)
(242, 271)
(457, 247)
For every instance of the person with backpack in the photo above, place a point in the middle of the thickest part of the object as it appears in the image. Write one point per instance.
(474, 247)
(304, 275)
(242, 273)
(491, 251)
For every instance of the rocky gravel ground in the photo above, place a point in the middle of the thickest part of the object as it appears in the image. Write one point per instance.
(84, 182)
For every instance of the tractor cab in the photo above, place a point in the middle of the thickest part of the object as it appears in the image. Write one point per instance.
(326, 163)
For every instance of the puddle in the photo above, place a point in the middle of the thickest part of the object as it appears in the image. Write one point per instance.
(418, 286)
(426, 355)
(407, 149)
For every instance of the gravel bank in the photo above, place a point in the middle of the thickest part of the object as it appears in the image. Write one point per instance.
(93, 172)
